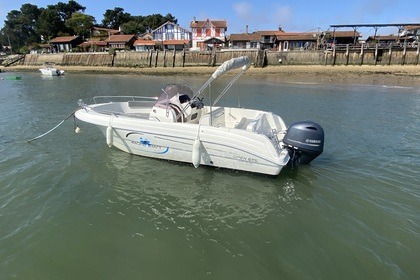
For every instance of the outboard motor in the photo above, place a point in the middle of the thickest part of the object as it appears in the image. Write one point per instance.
(304, 141)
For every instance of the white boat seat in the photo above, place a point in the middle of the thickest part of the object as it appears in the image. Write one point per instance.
(242, 123)
(135, 104)
(260, 125)
(217, 118)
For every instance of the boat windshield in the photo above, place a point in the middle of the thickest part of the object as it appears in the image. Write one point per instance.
(174, 93)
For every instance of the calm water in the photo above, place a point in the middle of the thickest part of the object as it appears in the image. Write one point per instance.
(72, 208)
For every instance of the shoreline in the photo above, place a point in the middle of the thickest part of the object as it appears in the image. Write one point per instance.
(400, 75)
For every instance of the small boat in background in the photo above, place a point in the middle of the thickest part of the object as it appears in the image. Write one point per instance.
(49, 69)
(12, 78)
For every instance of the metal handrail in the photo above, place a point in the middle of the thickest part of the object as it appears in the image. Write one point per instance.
(123, 98)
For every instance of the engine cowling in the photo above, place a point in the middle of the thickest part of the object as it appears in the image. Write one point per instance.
(304, 141)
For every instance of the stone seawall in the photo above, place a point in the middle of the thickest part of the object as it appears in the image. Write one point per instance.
(259, 58)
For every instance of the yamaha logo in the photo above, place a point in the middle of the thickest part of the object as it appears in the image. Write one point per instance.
(313, 141)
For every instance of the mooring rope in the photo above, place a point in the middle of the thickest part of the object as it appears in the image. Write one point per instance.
(54, 128)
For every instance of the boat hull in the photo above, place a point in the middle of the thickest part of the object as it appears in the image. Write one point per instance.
(51, 72)
(191, 143)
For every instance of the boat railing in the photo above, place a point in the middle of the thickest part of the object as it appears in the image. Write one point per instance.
(115, 98)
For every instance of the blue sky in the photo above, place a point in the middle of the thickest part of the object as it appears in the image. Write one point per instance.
(292, 16)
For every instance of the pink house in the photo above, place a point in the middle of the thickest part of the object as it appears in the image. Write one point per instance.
(208, 33)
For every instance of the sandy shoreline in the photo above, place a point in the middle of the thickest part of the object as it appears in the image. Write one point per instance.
(408, 75)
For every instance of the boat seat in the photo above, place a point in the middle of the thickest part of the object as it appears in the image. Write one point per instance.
(242, 123)
(136, 104)
(260, 125)
(217, 118)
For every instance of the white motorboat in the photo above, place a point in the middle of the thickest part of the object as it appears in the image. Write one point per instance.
(178, 126)
(49, 69)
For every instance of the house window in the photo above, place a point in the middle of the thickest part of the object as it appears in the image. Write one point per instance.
(208, 32)
(217, 32)
(198, 32)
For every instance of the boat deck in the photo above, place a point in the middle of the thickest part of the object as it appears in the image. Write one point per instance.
(144, 116)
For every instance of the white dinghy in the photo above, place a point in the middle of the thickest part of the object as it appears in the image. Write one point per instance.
(178, 126)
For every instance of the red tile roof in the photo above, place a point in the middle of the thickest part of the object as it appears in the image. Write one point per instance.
(64, 39)
(107, 30)
(344, 34)
(119, 38)
(270, 32)
(294, 36)
(142, 42)
(245, 37)
(201, 23)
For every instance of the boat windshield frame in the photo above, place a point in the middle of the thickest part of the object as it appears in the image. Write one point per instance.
(174, 90)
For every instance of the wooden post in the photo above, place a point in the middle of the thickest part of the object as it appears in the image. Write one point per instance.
(213, 58)
(376, 54)
(326, 57)
(183, 57)
(418, 52)
(404, 53)
(173, 58)
(150, 58)
(156, 58)
(362, 54)
(347, 54)
(265, 60)
(334, 55)
(164, 58)
(389, 54)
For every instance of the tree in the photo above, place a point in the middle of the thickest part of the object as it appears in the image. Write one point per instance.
(133, 27)
(49, 23)
(19, 26)
(53, 20)
(155, 20)
(66, 10)
(81, 24)
(114, 19)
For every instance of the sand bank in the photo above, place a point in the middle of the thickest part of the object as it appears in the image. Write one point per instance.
(396, 75)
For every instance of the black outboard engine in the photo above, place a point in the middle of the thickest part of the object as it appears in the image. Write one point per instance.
(304, 141)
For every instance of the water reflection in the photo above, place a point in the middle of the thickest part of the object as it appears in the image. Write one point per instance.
(178, 195)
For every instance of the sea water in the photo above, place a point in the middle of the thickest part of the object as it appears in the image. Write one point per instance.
(73, 208)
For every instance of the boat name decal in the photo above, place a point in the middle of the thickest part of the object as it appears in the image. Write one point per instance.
(245, 159)
(146, 143)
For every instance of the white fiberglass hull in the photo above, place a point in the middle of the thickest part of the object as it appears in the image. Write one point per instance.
(51, 72)
(214, 146)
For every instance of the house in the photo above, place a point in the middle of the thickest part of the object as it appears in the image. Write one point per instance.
(411, 31)
(121, 42)
(269, 39)
(93, 45)
(274, 40)
(341, 37)
(142, 45)
(297, 41)
(103, 33)
(382, 39)
(172, 36)
(245, 41)
(208, 34)
(65, 43)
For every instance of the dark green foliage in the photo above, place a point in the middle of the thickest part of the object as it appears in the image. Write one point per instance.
(32, 25)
